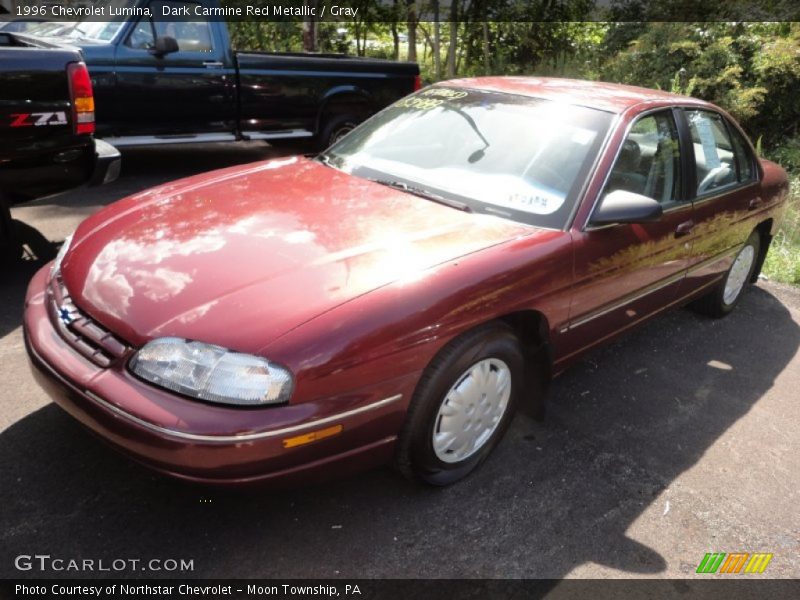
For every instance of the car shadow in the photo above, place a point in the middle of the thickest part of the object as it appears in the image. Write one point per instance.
(16, 271)
(622, 425)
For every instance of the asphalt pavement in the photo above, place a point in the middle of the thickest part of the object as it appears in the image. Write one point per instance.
(679, 439)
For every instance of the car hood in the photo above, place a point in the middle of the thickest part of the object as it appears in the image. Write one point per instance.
(240, 256)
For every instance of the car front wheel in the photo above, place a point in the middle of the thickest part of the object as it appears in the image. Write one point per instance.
(462, 406)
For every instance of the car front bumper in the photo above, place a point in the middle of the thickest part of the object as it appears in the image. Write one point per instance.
(212, 444)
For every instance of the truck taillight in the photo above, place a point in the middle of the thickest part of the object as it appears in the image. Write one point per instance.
(417, 83)
(80, 87)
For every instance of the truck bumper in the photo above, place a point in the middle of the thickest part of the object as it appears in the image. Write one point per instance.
(107, 165)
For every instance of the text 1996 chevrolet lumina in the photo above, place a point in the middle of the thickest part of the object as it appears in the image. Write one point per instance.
(396, 298)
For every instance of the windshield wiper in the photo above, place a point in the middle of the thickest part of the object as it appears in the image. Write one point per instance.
(423, 193)
(326, 159)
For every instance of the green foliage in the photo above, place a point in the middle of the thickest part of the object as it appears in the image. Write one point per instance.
(750, 69)
(271, 36)
(787, 155)
(783, 259)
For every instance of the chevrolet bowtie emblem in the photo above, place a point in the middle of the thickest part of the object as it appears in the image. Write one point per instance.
(65, 316)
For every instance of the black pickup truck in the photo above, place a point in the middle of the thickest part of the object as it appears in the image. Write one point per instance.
(175, 79)
(46, 127)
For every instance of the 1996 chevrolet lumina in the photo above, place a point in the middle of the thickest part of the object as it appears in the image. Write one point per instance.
(399, 296)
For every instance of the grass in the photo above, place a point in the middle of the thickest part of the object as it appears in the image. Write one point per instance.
(783, 260)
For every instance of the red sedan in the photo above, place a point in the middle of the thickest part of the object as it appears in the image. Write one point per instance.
(396, 298)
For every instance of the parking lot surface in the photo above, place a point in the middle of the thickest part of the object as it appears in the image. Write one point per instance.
(681, 438)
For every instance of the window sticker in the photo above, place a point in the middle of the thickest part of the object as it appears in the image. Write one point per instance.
(703, 126)
(431, 98)
(419, 103)
(508, 191)
(445, 93)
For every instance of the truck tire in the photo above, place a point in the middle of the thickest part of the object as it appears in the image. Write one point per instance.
(10, 246)
(335, 128)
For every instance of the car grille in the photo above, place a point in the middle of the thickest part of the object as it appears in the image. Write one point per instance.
(80, 331)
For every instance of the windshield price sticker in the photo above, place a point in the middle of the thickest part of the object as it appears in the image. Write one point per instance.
(431, 98)
(534, 202)
(419, 103)
(445, 93)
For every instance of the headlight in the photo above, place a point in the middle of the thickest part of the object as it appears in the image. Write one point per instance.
(212, 373)
(60, 256)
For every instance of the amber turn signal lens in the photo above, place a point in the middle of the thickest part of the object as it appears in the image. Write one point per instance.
(84, 104)
(312, 436)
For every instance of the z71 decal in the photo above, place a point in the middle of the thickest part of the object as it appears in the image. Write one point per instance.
(38, 119)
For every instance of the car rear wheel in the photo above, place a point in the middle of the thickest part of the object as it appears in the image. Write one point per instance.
(463, 404)
(724, 297)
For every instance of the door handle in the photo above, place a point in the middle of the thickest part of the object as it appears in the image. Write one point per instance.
(754, 204)
(213, 64)
(684, 228)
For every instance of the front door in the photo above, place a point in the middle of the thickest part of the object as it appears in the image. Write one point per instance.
(191, 91)
(625, 272)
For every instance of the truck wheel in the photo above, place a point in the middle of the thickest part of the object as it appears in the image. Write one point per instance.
(725, 296)
(335, 129)
(11, 252)
(462, 406)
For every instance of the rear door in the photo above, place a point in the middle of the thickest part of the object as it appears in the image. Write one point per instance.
(726, 193)
(191, 91)
(625, 272)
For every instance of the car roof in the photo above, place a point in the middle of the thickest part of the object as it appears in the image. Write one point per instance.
(610, 97)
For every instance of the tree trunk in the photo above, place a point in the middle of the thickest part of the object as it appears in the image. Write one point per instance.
(453, 45)
(437, 42)
(411, 22)
(310, 30)
(395, 41)
(487, 64)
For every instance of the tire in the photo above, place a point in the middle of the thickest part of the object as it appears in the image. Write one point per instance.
(11, 250)
(336, 127)
(477, 361)
(725, 296)
(11, 253)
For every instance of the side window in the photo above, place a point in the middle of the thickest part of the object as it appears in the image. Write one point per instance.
(713, 151)
(649, 160)
(744, 157)
(142, 36)
(192, 36)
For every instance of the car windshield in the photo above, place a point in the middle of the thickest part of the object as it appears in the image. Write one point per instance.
(518, 157)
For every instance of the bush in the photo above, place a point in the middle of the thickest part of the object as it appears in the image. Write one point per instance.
(783, 259)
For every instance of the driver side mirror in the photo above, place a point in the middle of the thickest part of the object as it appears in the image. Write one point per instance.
(164, 45)
(620, 206)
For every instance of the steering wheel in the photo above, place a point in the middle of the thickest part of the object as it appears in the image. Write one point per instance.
(714, 176)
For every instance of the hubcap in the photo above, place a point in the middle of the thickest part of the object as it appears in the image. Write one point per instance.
(472, 410)
(738, 274)
(341, 132)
